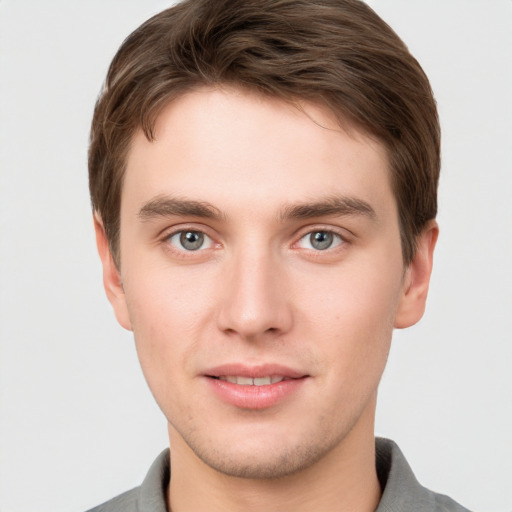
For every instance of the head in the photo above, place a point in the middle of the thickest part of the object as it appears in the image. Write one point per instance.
(339, 54)
(263, 175)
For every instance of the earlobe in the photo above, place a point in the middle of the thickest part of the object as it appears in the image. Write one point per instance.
(111, 275)
(417, 278)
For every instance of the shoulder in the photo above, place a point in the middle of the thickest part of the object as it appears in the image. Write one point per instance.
(126, 502)
(400, 488)
(446, 504)
(148, 497)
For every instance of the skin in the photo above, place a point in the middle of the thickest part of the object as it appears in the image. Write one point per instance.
(258, 292)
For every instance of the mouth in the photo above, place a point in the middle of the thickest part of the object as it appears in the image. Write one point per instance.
(249, 381)
(255, 387)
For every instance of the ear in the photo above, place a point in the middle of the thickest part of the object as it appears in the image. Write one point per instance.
(416, 279)
(111, 276)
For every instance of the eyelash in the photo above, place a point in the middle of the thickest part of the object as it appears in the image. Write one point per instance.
(334, 240)
(338, 240)
(167, 240)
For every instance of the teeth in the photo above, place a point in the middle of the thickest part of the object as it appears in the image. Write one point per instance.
(248, 381)
(262, 381)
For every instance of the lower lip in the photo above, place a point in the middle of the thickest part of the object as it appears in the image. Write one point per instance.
(255, 397)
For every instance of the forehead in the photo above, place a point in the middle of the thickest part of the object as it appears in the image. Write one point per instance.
(232, 147)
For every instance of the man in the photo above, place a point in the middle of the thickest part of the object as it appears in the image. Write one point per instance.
(263, 177)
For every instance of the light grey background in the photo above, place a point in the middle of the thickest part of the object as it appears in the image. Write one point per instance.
(77, 423)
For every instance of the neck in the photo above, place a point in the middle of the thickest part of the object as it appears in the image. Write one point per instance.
(342, 481)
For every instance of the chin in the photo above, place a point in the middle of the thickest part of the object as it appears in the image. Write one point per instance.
(265, 458)
(263, 466)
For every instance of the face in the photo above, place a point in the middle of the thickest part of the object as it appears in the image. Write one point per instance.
(261, 273)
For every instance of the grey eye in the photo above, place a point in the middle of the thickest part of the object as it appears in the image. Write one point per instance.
(321, 240)
(190, 240)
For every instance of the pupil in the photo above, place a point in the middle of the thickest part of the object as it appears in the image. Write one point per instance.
(191, 240)
(321, 240)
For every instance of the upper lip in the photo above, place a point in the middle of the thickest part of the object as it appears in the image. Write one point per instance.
(254, 371)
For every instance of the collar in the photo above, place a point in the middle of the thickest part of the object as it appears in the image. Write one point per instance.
(401, 492)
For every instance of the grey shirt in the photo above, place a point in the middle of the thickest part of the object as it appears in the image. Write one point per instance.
(401, 491)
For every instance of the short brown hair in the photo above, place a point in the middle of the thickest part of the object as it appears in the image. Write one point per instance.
(338, 53)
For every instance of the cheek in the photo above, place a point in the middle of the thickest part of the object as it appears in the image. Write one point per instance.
(358, 297)
(352, 318)
(167, 315)
(163, 299)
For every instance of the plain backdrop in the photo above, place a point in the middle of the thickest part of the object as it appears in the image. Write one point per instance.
(77, 422)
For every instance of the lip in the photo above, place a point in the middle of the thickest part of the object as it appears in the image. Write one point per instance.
(254, 371)
(254, 397)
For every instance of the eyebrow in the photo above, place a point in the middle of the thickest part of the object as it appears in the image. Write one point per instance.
(168, 206)
(164, 206)
(332, 205)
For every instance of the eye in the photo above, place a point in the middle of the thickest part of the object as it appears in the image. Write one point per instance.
(320, 240)
(189, 240)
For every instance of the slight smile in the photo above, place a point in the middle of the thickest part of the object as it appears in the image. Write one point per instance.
(253, 387)
(249, 381)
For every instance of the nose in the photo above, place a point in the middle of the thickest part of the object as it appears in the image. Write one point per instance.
(255, 303)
